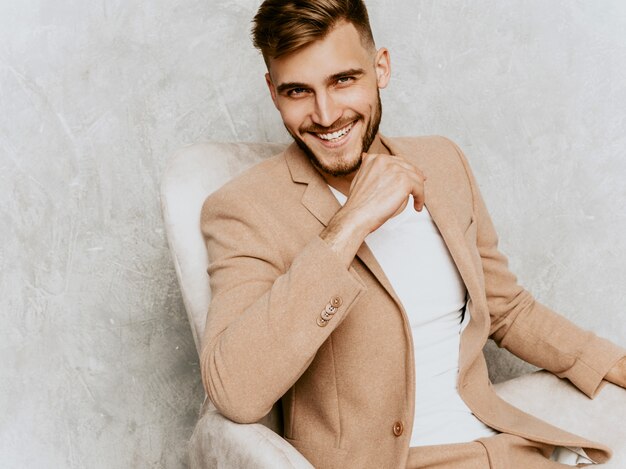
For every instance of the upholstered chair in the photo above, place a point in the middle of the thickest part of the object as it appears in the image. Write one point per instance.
(197, 170)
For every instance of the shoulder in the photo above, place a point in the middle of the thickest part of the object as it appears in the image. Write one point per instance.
(444, 164)
(253, 187)
(430, 147)
(432, 153)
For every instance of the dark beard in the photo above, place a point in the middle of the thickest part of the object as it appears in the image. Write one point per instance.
(368, 139)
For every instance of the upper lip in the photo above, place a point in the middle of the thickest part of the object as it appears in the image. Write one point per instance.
(333, 131)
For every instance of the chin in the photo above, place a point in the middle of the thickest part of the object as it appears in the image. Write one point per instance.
(345, 165)
(336, 165)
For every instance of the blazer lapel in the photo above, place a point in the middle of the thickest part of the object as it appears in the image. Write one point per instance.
(444, 218)
(454, 239)
(320, 201)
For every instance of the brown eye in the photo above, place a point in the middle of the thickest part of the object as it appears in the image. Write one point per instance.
(296, 92)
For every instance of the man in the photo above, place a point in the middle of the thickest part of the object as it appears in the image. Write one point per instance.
(357, 277)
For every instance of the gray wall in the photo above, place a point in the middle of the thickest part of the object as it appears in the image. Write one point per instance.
(97, 364)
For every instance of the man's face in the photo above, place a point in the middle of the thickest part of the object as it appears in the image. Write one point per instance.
(328, 97)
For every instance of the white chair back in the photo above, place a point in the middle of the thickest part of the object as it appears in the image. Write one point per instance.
(192, 174)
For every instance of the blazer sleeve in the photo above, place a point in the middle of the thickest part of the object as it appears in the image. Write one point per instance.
(261, 332)
(526, 327)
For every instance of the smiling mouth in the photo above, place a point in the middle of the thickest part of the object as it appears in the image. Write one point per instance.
(336, 136)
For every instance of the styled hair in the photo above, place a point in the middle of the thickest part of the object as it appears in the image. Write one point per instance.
(284, 26)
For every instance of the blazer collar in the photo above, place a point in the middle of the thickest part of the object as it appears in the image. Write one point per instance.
(317, 197)
(320, 201)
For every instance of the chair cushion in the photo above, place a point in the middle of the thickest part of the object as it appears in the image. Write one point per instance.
(558, 402)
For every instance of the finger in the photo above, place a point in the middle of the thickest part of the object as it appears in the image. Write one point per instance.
(416, 180)
(418, 202)
(395, 160)
(418, 193)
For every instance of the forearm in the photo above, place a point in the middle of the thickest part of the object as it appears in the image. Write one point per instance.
(548, 340)
(252, 357)
(344, 235)
(534, 332)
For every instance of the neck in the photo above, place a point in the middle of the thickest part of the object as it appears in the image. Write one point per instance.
(342, 183)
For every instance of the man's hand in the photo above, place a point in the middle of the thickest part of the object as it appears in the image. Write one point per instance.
(617, 374)
(380, 190)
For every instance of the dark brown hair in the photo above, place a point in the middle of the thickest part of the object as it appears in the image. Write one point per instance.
(284, 26)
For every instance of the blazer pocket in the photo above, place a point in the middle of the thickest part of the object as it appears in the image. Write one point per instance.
(320, 456)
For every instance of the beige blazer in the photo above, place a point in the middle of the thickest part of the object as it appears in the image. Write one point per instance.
(347, 384)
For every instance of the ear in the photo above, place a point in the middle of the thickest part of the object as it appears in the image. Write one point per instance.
(382, 63)
(270, 85)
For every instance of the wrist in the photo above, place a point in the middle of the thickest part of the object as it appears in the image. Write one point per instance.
(617, 374)
(344, 234)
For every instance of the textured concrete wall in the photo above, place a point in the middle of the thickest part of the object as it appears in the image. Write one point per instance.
(97, 364)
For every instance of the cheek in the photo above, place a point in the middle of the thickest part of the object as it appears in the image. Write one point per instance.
(293, 114)
(360, 99)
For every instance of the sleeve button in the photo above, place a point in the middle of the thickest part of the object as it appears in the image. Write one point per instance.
(321, 322)
(336, 301)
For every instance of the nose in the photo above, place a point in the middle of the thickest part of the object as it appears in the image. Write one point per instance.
(326, 110)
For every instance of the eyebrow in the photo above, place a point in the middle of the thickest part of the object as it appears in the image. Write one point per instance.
(334, 77)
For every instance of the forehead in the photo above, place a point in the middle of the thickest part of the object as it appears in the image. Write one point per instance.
(340, 49)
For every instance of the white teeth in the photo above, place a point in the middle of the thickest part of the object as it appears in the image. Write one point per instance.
(335, 135)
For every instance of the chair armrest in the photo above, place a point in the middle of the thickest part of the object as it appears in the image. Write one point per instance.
(219, 442)
(558, 402)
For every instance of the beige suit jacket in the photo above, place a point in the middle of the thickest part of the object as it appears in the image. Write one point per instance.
(347, 386)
